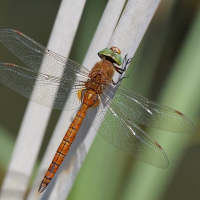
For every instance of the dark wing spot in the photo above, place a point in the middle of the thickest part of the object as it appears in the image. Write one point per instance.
(10, 64)
(158, 146)
(179, 113)
(19, 32)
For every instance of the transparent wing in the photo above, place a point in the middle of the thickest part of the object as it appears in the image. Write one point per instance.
(125, 135)
(33, 55)
(149, 113)
(128, 137)
(120, 131)
(137, 108)
(49, 90)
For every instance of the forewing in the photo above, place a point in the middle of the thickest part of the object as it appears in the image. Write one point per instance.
(144, 111)
(49, 90)
(33, 55)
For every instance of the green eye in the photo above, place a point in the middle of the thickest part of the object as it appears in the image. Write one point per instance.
(111, 55)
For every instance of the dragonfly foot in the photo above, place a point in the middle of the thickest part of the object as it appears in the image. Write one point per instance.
(126, 62)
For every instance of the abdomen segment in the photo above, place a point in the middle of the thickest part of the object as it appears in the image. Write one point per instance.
(63, 148)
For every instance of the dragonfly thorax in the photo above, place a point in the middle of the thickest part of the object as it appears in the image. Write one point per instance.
(94, 86)
(100, 76)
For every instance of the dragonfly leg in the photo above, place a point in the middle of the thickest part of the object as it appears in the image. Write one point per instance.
(126, 61)
(119, 80)
(121, 71)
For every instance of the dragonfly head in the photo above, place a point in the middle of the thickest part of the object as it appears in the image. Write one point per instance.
(112, 54)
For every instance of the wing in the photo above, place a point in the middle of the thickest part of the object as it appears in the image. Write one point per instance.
(149, 113)
(49, 90)
(119, 130)
(125, 135)
(33, 55)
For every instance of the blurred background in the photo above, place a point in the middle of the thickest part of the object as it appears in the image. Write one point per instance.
(165, 69)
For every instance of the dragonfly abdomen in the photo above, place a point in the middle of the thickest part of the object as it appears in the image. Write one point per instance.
(68, 139)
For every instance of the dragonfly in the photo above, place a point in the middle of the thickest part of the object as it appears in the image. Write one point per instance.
(92, 92)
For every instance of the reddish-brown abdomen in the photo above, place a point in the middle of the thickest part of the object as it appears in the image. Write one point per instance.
(88, 101)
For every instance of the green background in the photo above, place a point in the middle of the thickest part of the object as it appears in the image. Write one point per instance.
(165, 69)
